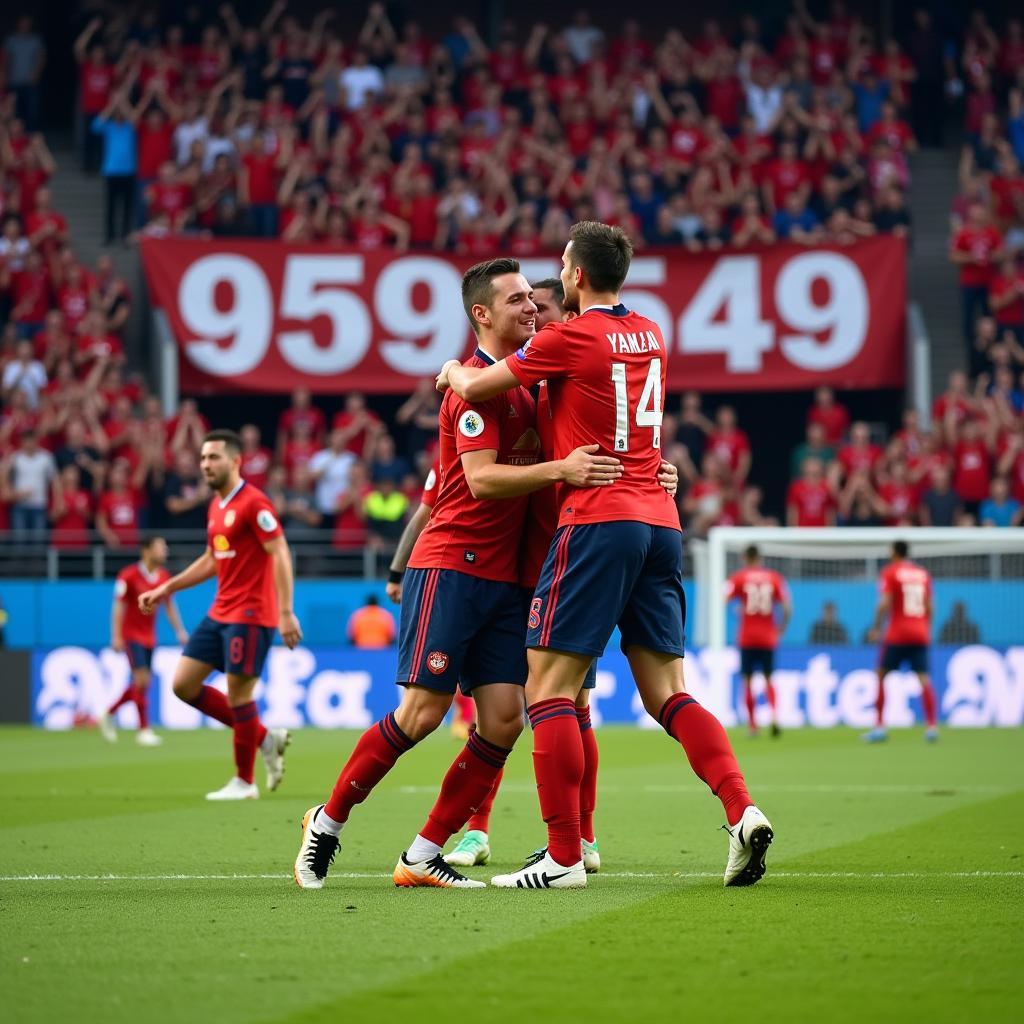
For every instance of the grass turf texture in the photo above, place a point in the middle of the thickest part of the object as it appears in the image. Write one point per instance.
(894, 889)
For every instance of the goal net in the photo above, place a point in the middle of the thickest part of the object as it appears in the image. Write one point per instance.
(978, 579)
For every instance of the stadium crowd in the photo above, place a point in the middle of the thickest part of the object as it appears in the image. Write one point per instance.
(388, 138)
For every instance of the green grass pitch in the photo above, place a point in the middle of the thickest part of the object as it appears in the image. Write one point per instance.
(894, 889)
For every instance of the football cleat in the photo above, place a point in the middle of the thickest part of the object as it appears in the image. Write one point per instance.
(316, 853)
(776, 731)
(147, 738)
(236, 789)
(434, 873)
(105, 721)
(749, 840)
(591, 856)
(876, 735)
(931, 735)
(471, 849)
(541, 872)
(272, 749)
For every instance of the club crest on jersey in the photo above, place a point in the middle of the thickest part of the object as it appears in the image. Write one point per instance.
(265, 520)
(471, 424)
(437, 662)
(229, 518)
(535, 605)
(221, 543)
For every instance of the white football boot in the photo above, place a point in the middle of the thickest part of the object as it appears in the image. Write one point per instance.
(541, 872)
(272, 749)
(316, 852)
(147, 738)
(236, 789)
(105, 721)
(591, 856)
(471, 849)
(434, 873)
(749, 840)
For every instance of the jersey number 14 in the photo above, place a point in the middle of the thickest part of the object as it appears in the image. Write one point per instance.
(648, 410)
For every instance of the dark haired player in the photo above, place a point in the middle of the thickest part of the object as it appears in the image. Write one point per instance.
(134, 635)
(247, 552)
(905, 599)
(463, 614)
(616, 558)
(759, 591)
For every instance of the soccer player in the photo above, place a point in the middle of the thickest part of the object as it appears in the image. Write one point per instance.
(759, 591)
(905, 599)
(249, 555)
(463, 614)
(616, 558)
(134, 635)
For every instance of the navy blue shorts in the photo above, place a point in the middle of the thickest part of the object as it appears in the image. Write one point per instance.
(756, 659)
(601, 575)
(236, 648)
(139, 655)
(895, 656)
(460, 630)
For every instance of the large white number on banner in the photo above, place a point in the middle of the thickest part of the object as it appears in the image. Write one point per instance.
(245, 324)
(844, 315)
(442, 323)
(649, 271)
(733, 286)
(310, 290)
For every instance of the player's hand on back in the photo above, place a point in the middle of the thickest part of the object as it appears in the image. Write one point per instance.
(441, 382)
(290, 630)
(582, 468)
(149, 599)
(394, 592)
(668, 477)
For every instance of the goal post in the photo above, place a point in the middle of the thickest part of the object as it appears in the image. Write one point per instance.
(964, 561)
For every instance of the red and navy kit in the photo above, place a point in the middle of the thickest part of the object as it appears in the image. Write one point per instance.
(463, 615)
(236, 635)
(758, 590)
(616, 558)
(137, 630)
(909, 588)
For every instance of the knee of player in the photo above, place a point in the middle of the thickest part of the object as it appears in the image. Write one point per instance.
(418, 717)
(503, 731)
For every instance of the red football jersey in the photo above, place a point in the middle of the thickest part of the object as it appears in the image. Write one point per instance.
(759, 590)
(542, 521)
(606, 384)
(910, 588)
(237, 528)
(133, 580)
(479, 538)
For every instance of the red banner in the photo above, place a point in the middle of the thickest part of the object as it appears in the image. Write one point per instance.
(262, 316)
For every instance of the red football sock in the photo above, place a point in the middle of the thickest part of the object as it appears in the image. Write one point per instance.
(466, 786)
(558, 765)
(880, 700)
(214, 705)
(141, 698)
(465, 708)
(481, 819)
(928, 700)
(748, 696)
(708, 750)
(376, 753)
(769, 688)
(128, 695)
(588, 784)
(249, 733)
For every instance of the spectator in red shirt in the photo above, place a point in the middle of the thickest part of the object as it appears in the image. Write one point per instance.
(1006, 297)
(954, 405)
(47, 229)
(730, 444)
(898, 497)
(784, 176)
(257, 186)
(972, 467)
(71, 512)
(300, 409)
(359, 425)
(831, 414)
(117, 517)
(30, 296)
(975, 249)
(809, 500)
(860, 455)
(1011, 461)
(256, 458)
(96, 77)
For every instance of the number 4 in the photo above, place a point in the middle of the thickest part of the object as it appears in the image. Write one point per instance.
(648, 412)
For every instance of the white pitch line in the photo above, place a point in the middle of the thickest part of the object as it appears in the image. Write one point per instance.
(895, 789)
(603, 874)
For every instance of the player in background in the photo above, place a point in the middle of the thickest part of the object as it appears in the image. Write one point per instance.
(134, 635)
(474, 846)
(905, 599)
(465, 709)
(616, 559)
(759, 591)
(463, 615)
(247, 552)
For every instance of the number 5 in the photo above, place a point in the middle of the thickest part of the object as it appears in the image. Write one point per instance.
(648, 412)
